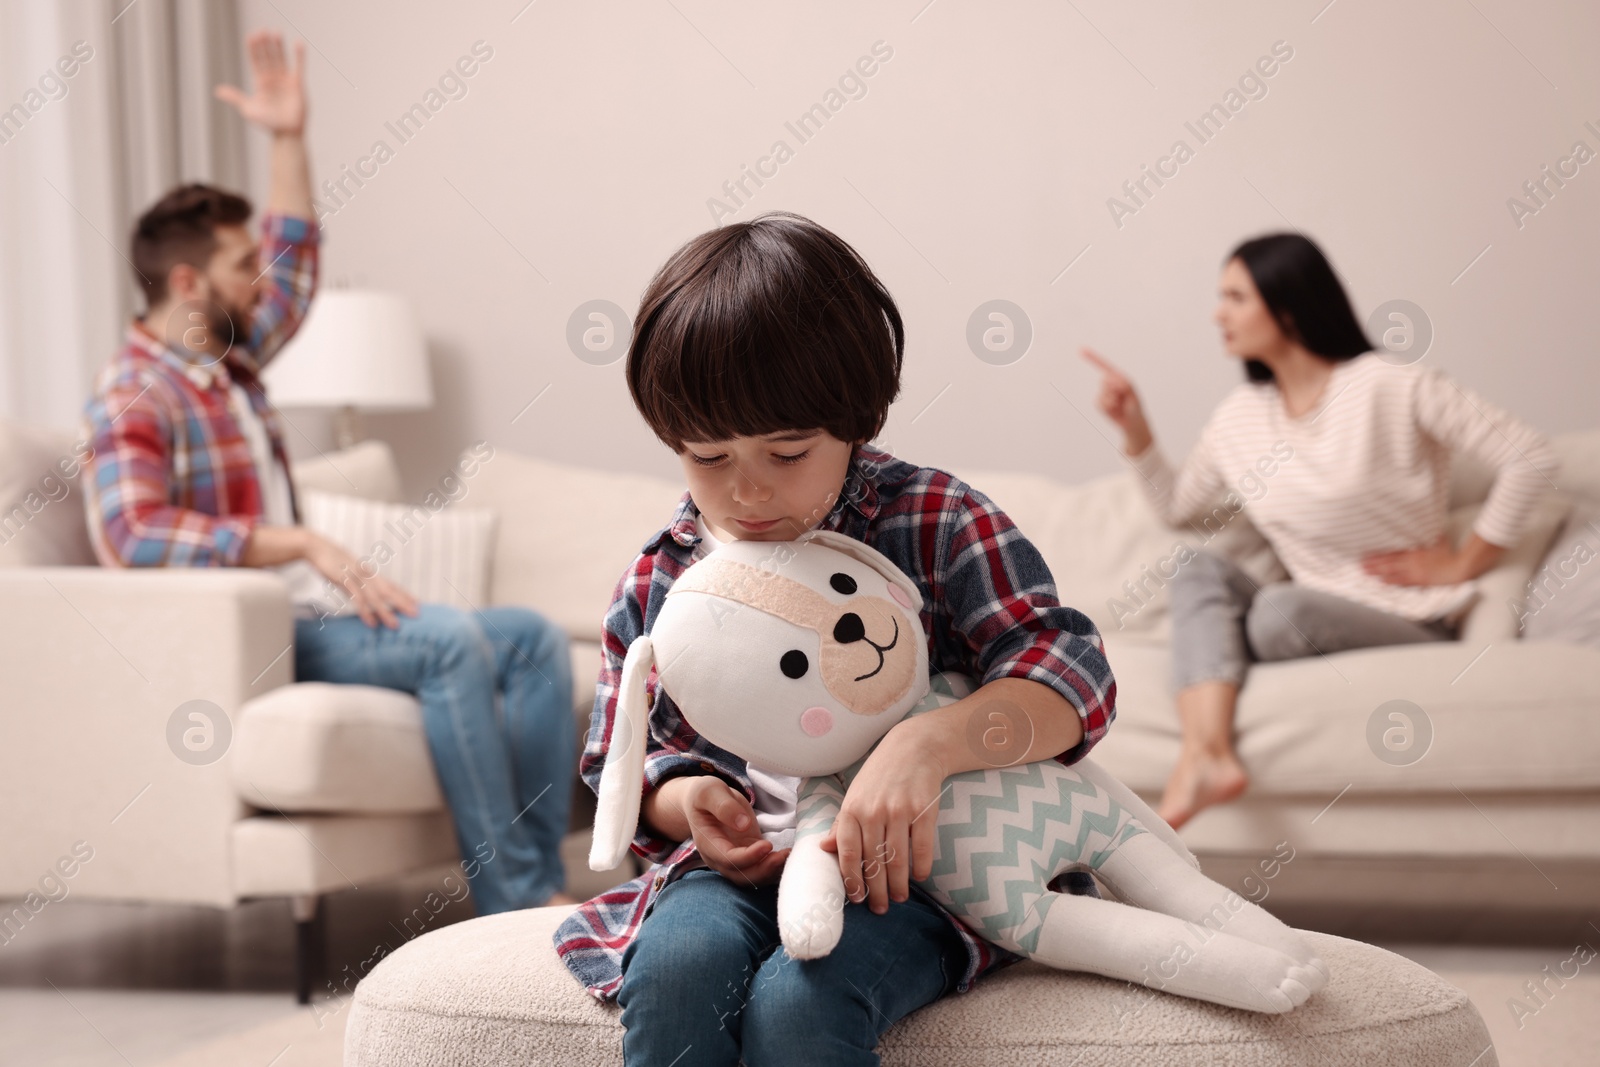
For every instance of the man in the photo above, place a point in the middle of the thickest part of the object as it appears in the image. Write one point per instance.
(189, 470)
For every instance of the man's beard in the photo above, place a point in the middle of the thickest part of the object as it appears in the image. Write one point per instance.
(225, 326)
(211, 329)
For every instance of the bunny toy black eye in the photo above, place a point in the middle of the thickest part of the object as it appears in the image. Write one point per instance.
(842, 583)
(794, 663)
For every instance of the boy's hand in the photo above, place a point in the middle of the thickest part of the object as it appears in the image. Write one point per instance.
(885, 832)
(279, 102)
(723, 825)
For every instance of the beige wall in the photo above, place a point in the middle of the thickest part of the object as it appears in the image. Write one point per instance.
(978, 165)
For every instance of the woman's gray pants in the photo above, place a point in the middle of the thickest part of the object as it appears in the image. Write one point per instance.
(1222, 621)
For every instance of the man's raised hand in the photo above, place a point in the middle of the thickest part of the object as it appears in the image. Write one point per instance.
(278, 104)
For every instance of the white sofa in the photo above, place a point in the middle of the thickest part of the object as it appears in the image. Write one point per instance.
(323, 787)
(320, 788)
(1496, 816)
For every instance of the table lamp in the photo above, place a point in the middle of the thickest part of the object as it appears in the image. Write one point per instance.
(356, 349)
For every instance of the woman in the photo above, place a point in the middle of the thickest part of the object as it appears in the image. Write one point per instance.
(1358, 451)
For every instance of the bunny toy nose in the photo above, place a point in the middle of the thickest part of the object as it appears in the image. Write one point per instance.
(849, 628)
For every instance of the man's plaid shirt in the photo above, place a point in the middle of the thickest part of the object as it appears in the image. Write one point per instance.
(171, 481)
(990, 610)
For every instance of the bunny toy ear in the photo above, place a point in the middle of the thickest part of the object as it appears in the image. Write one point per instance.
(865, 553)
(622, 782)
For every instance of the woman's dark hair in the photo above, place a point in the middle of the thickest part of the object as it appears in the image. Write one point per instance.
(763, 326)
(1299, 287)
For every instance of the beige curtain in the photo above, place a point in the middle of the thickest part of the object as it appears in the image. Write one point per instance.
(105, 106)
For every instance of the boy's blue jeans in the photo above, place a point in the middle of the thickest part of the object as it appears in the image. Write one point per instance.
(506, 772)
(707, 977)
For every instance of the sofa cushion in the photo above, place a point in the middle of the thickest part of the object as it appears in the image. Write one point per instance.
(1113, 560)
(1501, 588)
(568, 534)
(1532, 851)
(492, 991)
(315, 746)
(367, 470)
(41, 498)
(1579, 453)
(1579, 476)
(1564, 601)
(319, 747)
(1515, 715)
(437, 552)
(42, 518)
(1110, 556)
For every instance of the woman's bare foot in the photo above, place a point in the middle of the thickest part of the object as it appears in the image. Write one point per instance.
(1201, 779)
(561, 900)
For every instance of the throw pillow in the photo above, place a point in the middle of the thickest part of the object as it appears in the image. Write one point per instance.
(42, 520)
(1563, 601)
(439, 556)
(1493, 617)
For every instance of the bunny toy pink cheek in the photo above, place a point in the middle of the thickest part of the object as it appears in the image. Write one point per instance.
(816, 721)
(899, 595)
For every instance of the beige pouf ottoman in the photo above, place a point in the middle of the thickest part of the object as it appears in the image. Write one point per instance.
(491, 992)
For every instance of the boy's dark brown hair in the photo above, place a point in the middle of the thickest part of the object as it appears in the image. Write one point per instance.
(762, 326)
(181, 228)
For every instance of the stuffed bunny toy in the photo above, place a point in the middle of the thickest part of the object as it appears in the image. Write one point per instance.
(799, 656)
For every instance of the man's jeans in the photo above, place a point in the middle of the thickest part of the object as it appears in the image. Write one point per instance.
(506, 772)
(706, 977)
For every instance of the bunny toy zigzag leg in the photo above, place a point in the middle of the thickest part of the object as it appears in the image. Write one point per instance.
(1006, 834)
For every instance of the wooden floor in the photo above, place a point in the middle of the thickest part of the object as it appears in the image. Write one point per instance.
(125, 985)
(88, 983)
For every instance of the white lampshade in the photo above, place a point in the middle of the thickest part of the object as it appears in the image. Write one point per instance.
(356, 348)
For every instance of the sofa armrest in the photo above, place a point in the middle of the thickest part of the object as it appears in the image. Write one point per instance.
(97, 662)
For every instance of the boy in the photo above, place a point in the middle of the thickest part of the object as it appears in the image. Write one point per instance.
(766, 355)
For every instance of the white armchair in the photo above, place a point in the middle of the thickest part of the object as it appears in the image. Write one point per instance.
(97, 664)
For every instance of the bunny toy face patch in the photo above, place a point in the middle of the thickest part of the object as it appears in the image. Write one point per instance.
(828, 652)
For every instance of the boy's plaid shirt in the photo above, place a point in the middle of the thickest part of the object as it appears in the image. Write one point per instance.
(170, 481)
(990, 610)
